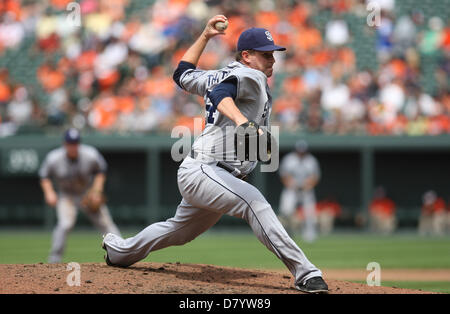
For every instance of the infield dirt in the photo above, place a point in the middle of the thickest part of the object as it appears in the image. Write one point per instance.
(167, 278)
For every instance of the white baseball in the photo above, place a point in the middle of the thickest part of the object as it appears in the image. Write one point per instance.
(221, 26)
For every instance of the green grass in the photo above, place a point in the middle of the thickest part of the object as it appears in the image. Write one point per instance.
(240, 249)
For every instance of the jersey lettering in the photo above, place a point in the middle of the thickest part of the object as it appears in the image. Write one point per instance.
(216, 77)
(210, 109)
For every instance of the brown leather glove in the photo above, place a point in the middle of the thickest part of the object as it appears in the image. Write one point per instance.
(93, 200)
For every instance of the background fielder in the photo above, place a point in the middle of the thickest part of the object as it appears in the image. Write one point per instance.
(79, 172)
(300, 173)
(209, 179)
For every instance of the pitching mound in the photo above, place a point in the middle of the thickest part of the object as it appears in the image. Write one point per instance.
(156, 278)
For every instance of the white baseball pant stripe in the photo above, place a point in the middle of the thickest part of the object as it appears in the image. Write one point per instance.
(209, 192)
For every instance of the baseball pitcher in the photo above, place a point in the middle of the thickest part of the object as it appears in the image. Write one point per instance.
(210, 179)
(79, 173)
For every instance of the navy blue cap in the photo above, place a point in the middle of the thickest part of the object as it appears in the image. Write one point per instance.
(301, 146)
(258, 39)
(72, 135)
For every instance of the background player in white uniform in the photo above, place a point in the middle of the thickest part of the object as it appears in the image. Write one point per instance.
(75, 168)
(209, 179)
(300, 173)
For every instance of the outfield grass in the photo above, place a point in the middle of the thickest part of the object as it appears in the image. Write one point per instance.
(239, 249)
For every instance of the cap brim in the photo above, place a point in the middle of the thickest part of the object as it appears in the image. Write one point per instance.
(270, 48)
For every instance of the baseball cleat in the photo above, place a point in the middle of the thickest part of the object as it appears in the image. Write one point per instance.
(313, 285)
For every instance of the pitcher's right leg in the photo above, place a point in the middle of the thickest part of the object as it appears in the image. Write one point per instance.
(235, 197)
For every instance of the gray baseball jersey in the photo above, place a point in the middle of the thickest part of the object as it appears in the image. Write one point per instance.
(253, 99)
(73, 177)
(299, 168)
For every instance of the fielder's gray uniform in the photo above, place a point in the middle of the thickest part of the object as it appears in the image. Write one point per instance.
(300, 169)
(210, 191)
(73, 179)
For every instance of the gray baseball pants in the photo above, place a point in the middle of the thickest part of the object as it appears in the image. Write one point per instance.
(289, 200)
(208, 193)
(66, 211)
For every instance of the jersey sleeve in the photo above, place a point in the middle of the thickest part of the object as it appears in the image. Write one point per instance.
(316, 168)
(195, 81)
(183, 66)
(227, 88)
(45, 171)
(99, 164)
(285, 166)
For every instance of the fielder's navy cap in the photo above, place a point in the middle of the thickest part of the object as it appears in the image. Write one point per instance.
(301, 146)
(258, 39)
(72, 135)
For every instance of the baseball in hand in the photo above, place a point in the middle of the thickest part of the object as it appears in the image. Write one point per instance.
(221, 26)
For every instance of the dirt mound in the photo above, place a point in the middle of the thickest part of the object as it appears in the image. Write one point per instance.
(157, 278)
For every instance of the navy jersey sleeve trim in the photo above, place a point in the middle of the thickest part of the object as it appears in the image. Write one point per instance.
(225, 89)
(183, 66)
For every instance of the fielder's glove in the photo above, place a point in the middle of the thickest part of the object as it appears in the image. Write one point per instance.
(93, 200)
(253, 142)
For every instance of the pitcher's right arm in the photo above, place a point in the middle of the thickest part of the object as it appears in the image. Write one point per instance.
(196, 82)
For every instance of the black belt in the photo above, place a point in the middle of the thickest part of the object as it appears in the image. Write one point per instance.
(235, 172)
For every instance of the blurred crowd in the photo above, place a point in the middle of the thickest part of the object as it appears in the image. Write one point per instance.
(434, 218)
(109, 68)
(383, 215)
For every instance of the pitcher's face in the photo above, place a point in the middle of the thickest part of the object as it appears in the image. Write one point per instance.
(260, 60)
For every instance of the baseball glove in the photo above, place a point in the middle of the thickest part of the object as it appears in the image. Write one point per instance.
(252, 142)
(93, 200)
